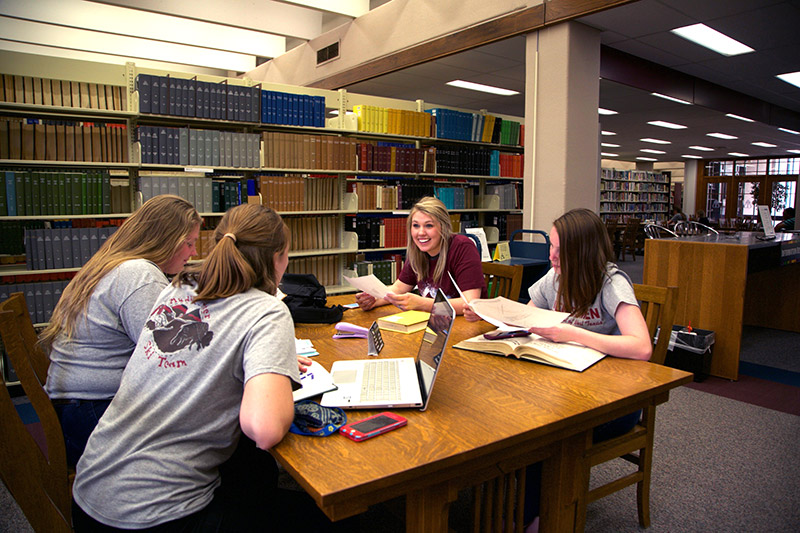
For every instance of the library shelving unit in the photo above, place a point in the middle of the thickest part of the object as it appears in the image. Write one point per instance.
(634, 193)
(92, 148)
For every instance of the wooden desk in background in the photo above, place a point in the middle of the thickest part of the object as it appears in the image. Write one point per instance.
(726, 281)
(488, 416)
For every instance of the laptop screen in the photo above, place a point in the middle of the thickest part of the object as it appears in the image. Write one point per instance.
(434, 341)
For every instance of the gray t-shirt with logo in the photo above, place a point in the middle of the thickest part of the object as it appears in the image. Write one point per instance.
(89, 365)
(617, 288)
(155, 454)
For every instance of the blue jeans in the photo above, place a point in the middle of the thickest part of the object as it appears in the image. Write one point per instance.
(78, 420)
(533, 473)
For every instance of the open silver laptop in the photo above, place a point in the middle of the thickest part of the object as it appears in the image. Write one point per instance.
(393, 383)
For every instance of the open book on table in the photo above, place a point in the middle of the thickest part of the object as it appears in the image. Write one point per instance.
(569, 355)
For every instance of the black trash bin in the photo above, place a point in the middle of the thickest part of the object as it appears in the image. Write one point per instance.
(690, 351)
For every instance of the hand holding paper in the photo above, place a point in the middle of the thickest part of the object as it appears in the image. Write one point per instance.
(369, 284)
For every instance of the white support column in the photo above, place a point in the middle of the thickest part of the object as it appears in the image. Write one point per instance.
(562, 156)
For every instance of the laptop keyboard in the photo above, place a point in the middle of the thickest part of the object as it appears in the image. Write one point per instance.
(381, 381)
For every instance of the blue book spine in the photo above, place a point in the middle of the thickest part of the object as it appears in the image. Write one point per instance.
(11, 193)
(264, 106)
(143, 86)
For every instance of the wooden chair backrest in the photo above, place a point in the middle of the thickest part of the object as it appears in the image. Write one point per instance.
(502, 280)
(37, 477)
(658, 306)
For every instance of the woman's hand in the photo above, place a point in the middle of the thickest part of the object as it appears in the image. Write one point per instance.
(558, 333)
(408, 301)
(365, 301)
(470, 315)
(303, 363)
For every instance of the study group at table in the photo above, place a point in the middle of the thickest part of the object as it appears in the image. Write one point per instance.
(171, 378)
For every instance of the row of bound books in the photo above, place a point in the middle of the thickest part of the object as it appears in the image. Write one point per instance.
(510, 194)
(299, 193)
(51, 248)
(292, 109)
(309, 151)
(506, 165)
(208, 195)
(189, 146)
(326, 268)
(378, 232)
(58, 140)
(377, 119)
(475, 127)
(40, 297)
(183, 97)
(456, 197)
(379, 157)
(50, 92)
(402, 194)
(34, 193)
(385, 269)
(314, 233)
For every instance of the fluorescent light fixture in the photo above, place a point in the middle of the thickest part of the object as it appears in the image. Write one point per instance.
(606, 111)
(712, 39)
(738, 117)
(664, 124)
(689, 156)
(790, 131)
(655, 141)
(480, 87)
(793, 151)
(671, 98)
(651, 151)
(604, 132)
(791, 77)
(701, 148)
(609, 145)
(646, 159)
(764, 145)
(721, 136)
(738, 154)
(608, 154)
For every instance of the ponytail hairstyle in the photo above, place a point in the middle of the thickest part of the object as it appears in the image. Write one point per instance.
(434, 208)
(585, 250)
(247, 239)
(154, 232)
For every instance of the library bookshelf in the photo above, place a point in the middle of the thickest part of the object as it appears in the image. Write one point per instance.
(83, 144)
(634, 193)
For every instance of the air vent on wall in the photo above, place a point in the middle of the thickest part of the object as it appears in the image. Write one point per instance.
(328, 53)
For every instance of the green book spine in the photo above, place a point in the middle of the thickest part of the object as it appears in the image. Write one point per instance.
(61, 202)
(36, 194)
(84, 188)
(75, 179)
(20, 179)
(49, 192)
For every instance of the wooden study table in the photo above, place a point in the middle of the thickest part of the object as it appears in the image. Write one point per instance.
(487, 416)
(728, 280)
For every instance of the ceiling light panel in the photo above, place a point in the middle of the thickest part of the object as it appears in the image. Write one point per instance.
(764, 145)
(701, 148)
(121, 45)
(665, 124)
(606, 111)
(655, 141)
(712, 39)
(671, 98)
(737, 117)
(791, 77)
(113, 20)
(482, 88)
(722, 136)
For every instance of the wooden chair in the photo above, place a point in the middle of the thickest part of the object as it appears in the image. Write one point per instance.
(502, 280)
(37, 477)
(629, 238)
(658, 306)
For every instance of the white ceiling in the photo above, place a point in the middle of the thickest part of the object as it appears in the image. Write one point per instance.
(641, 29)
(233, 36)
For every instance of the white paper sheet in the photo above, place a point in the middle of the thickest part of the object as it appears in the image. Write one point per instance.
(369, 284)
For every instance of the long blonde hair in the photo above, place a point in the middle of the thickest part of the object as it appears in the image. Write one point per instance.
(420, 264)
(154, 232)
(247, 239)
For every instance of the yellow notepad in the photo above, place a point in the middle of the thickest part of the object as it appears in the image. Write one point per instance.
(405, 322)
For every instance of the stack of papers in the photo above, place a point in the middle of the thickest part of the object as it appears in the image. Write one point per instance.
(305, 348)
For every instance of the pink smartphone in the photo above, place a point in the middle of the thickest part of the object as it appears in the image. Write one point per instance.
(372, 426)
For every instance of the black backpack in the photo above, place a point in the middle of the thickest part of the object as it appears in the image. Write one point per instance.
(306, 300)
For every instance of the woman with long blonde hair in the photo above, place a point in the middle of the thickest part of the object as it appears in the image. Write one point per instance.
(98, 319)
(216, 362)
(433, 254)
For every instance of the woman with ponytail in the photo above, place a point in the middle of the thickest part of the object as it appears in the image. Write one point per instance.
(216, 359)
